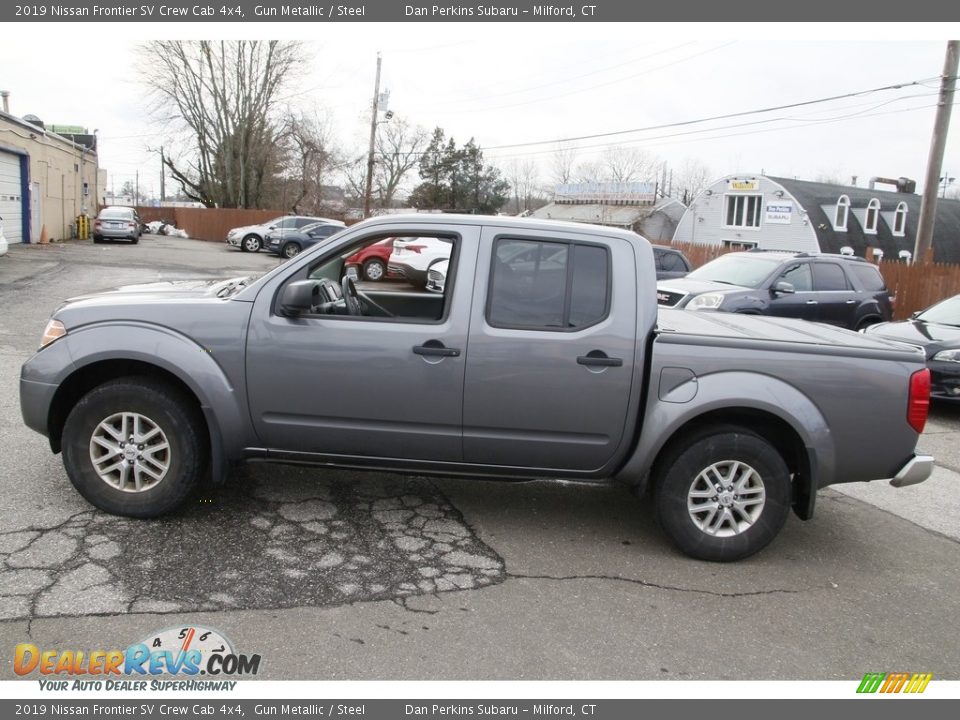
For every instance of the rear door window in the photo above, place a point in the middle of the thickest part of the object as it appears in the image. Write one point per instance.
(546, 285)
(868, 275)
(829, 277)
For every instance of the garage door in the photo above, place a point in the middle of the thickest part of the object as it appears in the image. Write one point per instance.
(11, 197)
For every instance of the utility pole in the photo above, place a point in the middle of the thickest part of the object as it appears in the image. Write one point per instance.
(928, 206)
(163, 193)
(373, 138)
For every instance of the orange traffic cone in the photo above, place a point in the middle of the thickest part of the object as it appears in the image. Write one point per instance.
(44, 238)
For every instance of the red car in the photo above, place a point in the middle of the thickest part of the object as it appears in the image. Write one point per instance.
(372, 260)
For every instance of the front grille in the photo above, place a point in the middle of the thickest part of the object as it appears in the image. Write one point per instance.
(668, 298)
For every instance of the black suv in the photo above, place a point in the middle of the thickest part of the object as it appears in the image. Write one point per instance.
(670, 263)
(835, 289)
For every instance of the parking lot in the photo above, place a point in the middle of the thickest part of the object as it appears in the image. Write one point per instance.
(343, 575)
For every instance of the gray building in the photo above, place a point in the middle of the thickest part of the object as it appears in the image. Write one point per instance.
(774, 213)
(46, 179)
(631, 206)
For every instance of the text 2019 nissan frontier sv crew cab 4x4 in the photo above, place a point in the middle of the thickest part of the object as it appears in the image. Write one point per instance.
(543, 357)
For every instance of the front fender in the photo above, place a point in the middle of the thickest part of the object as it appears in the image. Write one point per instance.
(195, 366)
(733, 391)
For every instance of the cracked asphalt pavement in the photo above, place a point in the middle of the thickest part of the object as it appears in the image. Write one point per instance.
(345, 575)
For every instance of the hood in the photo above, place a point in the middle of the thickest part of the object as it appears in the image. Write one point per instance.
(165, 290)
(698, 287)
(932, 337)
(248, 228)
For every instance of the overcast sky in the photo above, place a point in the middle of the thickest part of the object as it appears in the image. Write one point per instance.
(506, 84)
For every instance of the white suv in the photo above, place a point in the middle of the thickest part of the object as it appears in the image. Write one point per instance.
(413, 257)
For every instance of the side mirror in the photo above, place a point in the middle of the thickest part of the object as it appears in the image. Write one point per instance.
(783, 288)
(299, 297)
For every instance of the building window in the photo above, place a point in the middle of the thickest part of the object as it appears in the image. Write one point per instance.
(873, 213)
(900, 220)
(743, 211)
(843, 209)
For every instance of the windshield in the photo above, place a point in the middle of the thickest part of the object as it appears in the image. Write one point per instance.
(736, 270)
(943, 313)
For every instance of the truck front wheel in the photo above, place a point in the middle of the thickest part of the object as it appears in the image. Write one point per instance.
(134, 447)
(723, 494)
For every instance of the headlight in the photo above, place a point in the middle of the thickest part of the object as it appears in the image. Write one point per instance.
(948, 356)
(707, 301)
(53, 331)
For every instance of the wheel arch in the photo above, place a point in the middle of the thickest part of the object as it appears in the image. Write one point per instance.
(772, 428)
(173, 359)
(763, 404)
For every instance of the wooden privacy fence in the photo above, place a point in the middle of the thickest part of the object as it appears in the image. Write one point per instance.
(210, 224)
(919, 286)
(916, 286)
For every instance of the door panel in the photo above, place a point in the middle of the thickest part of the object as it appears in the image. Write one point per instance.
(337, 385)
(838, 301)
(537, 398)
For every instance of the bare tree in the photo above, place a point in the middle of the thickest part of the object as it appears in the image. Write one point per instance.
(311, 157)
(398, 152)
(625, 164)
(691, 178)
(562, 165)
(524, 185)
(223, 96)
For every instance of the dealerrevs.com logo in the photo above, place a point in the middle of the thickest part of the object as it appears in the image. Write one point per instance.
(179, 651)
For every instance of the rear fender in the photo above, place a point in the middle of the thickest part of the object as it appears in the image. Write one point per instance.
(729, 392)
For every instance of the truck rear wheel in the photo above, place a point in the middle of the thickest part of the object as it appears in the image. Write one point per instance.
(723, 494)
(134, 447)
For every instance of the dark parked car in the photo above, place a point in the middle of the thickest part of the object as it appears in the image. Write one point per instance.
(937, 331)
(670, 263)
(371, 261)
(289, 242)
(117, 223)
(252, 238)
(834, 289)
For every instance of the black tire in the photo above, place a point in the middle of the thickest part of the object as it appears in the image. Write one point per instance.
(867, 322)
(679, 472)
(168, 410)
(374, 270)
(290, 250)
(134, 241)
(251, 243)
(97, 239)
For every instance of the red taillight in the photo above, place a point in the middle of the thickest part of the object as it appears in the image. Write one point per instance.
(414, 248)
(97, 223)
(918, 404)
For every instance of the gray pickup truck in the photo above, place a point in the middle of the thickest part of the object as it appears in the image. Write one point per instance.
(543, 357)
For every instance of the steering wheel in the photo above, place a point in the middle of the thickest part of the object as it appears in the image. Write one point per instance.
(352, 298)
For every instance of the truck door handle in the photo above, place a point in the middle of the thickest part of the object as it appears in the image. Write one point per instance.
(811, 302)
(850, 302)
(599, 358)
(435, 348)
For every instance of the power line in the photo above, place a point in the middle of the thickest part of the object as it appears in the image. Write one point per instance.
(727, 116)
